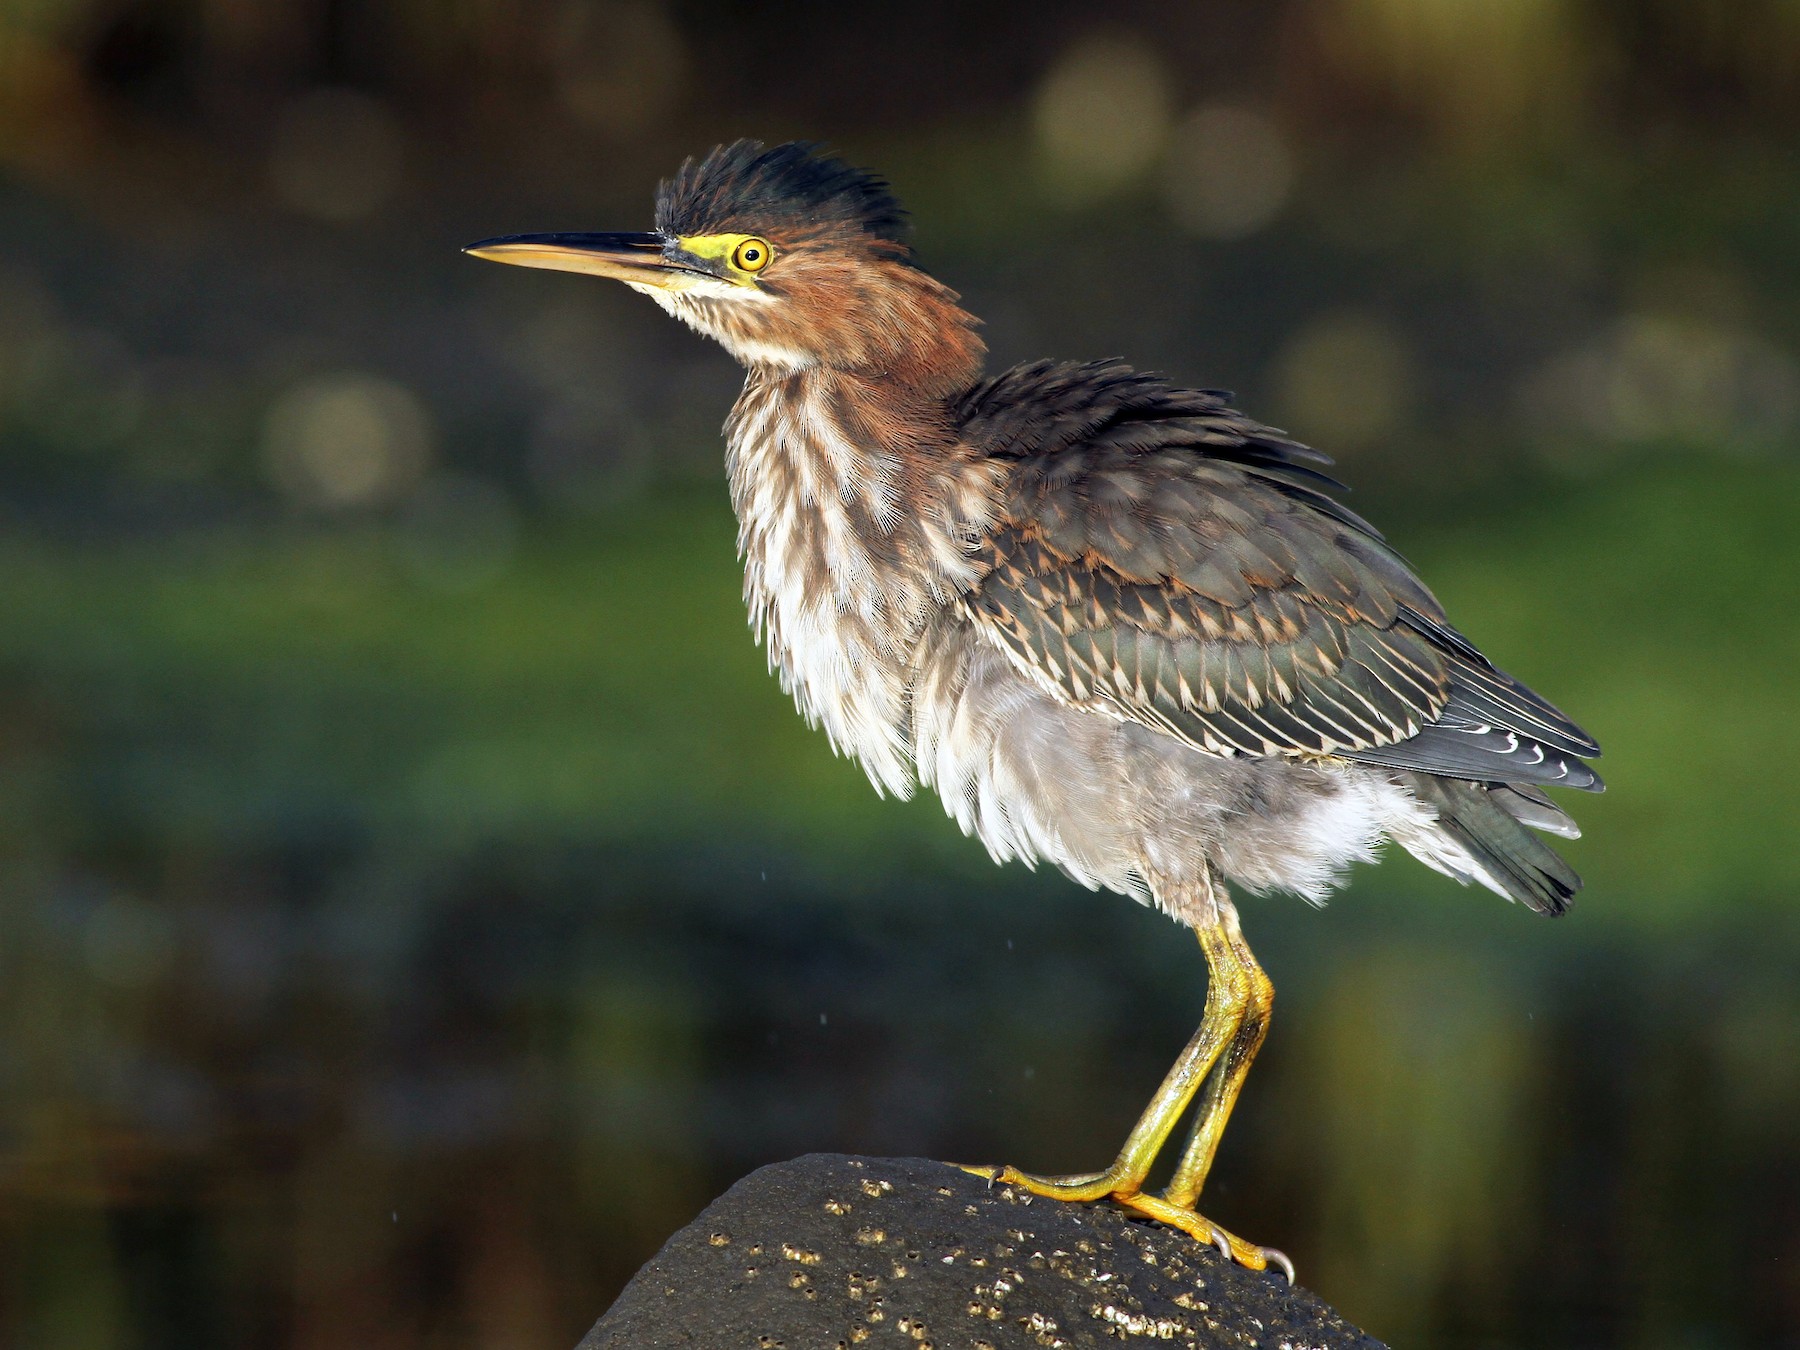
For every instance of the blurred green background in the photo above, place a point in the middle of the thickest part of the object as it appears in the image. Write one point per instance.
(417, 900)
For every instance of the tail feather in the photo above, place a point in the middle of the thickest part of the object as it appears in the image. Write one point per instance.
(1488, 828)
(1532, 806)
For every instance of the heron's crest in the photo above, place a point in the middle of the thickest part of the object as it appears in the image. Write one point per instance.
(749, 186)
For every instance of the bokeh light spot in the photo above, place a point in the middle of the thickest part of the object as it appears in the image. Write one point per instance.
(345, 440)
(1101, 115)
(1346, 377)
(1228, 173)
(1486, 75)
(1663, 375)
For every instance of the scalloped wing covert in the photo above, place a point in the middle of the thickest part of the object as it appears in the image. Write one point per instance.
(1161, 557)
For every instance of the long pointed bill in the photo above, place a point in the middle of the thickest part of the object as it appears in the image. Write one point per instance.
(633, 258)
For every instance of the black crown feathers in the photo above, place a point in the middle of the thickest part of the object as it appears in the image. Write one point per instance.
(749, 187)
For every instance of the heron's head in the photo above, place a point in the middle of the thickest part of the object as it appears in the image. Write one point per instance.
(789, 257)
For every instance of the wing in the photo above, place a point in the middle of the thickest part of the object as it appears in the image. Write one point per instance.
(1163, 558)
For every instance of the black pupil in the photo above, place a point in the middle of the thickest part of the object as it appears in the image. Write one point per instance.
(752, 254)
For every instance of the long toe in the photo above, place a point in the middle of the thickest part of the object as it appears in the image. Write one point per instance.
(1197, 1225)
(1077, 1187)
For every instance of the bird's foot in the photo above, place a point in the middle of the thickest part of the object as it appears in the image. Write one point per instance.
(1197, 1225)
(1105, 1185)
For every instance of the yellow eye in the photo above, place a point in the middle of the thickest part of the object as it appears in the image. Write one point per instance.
(752, 255)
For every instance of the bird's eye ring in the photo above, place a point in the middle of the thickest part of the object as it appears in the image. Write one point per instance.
(751, 255)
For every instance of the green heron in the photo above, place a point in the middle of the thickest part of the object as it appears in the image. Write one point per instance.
(1115, 623)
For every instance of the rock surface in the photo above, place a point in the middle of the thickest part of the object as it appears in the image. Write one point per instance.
(830, 1251)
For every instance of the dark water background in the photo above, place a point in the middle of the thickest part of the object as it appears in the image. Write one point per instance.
(416, 899)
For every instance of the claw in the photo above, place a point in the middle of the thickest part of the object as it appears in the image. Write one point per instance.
(1222, 1242)
(1276, 1258)
(987, 1173)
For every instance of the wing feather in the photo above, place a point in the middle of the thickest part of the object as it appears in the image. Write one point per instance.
(1162, 558)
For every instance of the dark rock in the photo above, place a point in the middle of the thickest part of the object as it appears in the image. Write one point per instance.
(830, 1251)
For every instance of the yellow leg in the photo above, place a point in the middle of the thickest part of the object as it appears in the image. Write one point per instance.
(1257, 998)
(1126, 1175)
(1176, 1203)
(1213, 1066)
